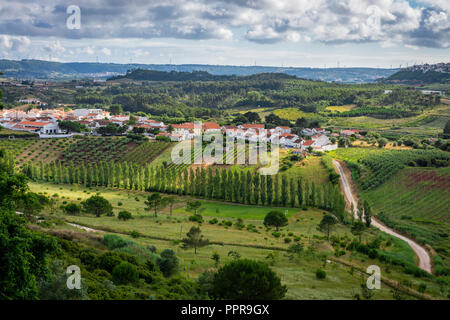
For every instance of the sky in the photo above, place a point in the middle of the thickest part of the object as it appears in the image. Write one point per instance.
(289, 33)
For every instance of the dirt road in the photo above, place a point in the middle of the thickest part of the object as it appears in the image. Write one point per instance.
(422, 254)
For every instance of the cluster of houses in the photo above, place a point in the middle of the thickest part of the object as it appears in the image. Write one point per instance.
(45, 123)
(318, 138)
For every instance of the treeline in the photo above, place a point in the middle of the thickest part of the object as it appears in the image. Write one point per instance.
(239, 186)
(196, 75)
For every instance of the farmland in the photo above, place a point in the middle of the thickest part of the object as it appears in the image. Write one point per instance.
(252, 241)
(415, 201)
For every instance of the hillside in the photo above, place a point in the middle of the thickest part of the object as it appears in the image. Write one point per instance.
(153, 75)
(38, 69)
(423, 74)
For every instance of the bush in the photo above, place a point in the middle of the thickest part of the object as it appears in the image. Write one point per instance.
(124, 215)
(321, 274)
(125, 273)
(196, 218)
(135, 234)
(113, 241)
(287, 240)
(213, 221)
(72, 208)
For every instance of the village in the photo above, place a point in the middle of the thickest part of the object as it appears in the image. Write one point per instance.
(45, 123)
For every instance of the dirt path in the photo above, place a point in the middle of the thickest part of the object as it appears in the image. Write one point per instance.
(422, 254)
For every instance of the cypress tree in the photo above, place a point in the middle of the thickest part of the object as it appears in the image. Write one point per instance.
(249, 194)
(284, 190)
(263, 189)
(300, 192)
(276, 190)
(210, 184)
(269, 190)
(256, 188)
(292, 192)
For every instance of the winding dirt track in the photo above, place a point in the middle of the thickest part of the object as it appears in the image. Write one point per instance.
(422, 254)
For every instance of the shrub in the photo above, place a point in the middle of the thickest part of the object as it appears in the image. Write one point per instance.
(196, 218)
(276, 234)
(287, 240)
(321, 274)
(213, 221)
(135, 234)
(72, 208)
(124, 215)
(125, 273)
(113, 241)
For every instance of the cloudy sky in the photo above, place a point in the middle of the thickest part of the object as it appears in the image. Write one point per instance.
(300, 33)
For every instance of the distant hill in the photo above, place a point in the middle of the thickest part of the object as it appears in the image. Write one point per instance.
(38, 69)
(152, 75)
(421, 74)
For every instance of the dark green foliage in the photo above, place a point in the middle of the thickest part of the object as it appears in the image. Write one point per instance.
(97, 205)
(124, 215)
(276, 219)
(321, 274)
(247, 280)
(72, 209)
(167, 262)
(327, 224)
(194, 239)
(125, 273)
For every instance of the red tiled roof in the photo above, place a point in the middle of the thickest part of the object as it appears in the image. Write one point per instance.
(33, 123)
(210, 125)
(308, 143)
(253, 126)
(186, 125)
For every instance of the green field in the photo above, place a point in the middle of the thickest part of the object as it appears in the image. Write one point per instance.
(415, 200)
(252, 241)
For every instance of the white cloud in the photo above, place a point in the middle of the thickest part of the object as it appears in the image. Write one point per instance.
(262, 21)
(106, 51)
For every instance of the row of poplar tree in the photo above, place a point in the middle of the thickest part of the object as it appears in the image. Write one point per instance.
(234, 185)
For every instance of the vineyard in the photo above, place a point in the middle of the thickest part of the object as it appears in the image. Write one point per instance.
(145, 152)
(415, 202)
(35, 150)
(385, 165)
(95, 150)
(376, 166)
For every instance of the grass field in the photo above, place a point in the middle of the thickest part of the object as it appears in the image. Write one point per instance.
(253, 241)
(344, 108)
(293, 114)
